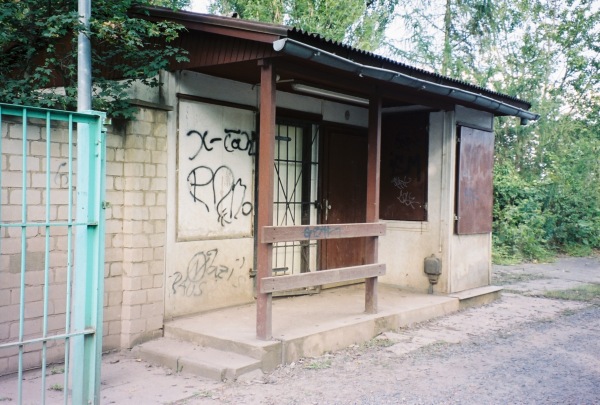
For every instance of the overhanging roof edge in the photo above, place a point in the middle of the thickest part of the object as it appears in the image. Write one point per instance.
(301, 50)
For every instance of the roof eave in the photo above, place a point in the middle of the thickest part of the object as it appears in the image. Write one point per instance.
(301, 50)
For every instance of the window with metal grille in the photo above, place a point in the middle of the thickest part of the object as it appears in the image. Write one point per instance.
(295, 194)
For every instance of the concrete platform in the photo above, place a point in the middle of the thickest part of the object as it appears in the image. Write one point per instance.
(303, 326)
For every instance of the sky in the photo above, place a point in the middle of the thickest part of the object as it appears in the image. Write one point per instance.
(199, 6)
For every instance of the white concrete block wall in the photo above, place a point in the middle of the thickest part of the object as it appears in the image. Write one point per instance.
(135, 229)
(143, 234)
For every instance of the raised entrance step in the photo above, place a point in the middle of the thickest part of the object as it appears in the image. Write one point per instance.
(222, 344)
(187, 357)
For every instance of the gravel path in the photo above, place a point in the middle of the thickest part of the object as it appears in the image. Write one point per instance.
(521, 349)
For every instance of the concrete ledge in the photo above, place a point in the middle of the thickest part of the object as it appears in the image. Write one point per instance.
(477, 296)
(203, 361)
(267, 352)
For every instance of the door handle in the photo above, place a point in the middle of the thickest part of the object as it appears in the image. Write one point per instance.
(326, 207)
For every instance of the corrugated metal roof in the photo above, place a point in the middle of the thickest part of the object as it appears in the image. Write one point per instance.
(318, 40)
(193, 20)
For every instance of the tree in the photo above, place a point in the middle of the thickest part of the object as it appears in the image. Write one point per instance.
(358, 23)
(38, 40)
(547, 188)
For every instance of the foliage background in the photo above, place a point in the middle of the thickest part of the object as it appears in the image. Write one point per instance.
(38, 43)
(547, 174)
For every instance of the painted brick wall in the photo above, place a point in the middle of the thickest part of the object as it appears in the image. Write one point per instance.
(144, 185)
(135, 234)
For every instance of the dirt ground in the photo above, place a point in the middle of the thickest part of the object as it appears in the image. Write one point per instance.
(525, 348)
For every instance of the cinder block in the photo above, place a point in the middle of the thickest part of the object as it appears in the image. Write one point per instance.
(114, 168)
(155, 322)
(150, 143)
(157, 241)
(136, 297)
(114, 141)
(133, 255)
(157, 267)
(9, 313)
(119, 154)
(159, 281)
(116, 269)
(132, 327)
(157, 213)
(159, 130)
(133, 168)
(141, 128)
(132, 283)
(161, 170)
(155, 295)
(115, 299)
(131, 312)
(159, 157)
(147, 282)
(112, 284)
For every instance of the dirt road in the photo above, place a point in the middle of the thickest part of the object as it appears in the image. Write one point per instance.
(525, 348)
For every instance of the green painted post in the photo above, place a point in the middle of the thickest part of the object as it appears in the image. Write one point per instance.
(89, 263)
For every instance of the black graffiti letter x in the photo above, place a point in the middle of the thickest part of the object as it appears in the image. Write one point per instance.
(202, 142)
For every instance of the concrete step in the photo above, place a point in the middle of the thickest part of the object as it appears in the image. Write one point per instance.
(477, 296)
(187, 357)
(268, 353)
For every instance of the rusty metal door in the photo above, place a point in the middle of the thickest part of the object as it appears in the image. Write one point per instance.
(474, 187)
(343, 195)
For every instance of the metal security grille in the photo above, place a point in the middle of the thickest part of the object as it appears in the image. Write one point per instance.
(295, 198)
(51, 245)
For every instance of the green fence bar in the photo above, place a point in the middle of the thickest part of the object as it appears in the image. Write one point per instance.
(23, 253)
(84, 265)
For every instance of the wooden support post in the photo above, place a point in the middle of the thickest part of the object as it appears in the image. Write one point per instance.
(374, 155)
(264, 217)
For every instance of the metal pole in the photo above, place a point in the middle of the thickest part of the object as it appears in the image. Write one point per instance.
(84, 58)
(83, 390)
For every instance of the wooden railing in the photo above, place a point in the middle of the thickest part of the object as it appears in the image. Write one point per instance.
(273, 234)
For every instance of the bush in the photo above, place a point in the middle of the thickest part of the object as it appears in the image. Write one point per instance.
(534, 219)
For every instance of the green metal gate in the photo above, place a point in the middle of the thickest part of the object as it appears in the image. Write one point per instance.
(52, 251)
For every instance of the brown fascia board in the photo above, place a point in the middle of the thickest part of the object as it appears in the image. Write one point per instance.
(234, 27)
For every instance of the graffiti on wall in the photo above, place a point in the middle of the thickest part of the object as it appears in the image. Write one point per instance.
(217, 145)
(204, 268)
(218, 190)
(233, 140)
(405, 197)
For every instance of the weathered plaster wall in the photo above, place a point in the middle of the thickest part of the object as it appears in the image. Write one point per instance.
(210, 253)
(466, 259)
(408, 243)
(471, 261)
